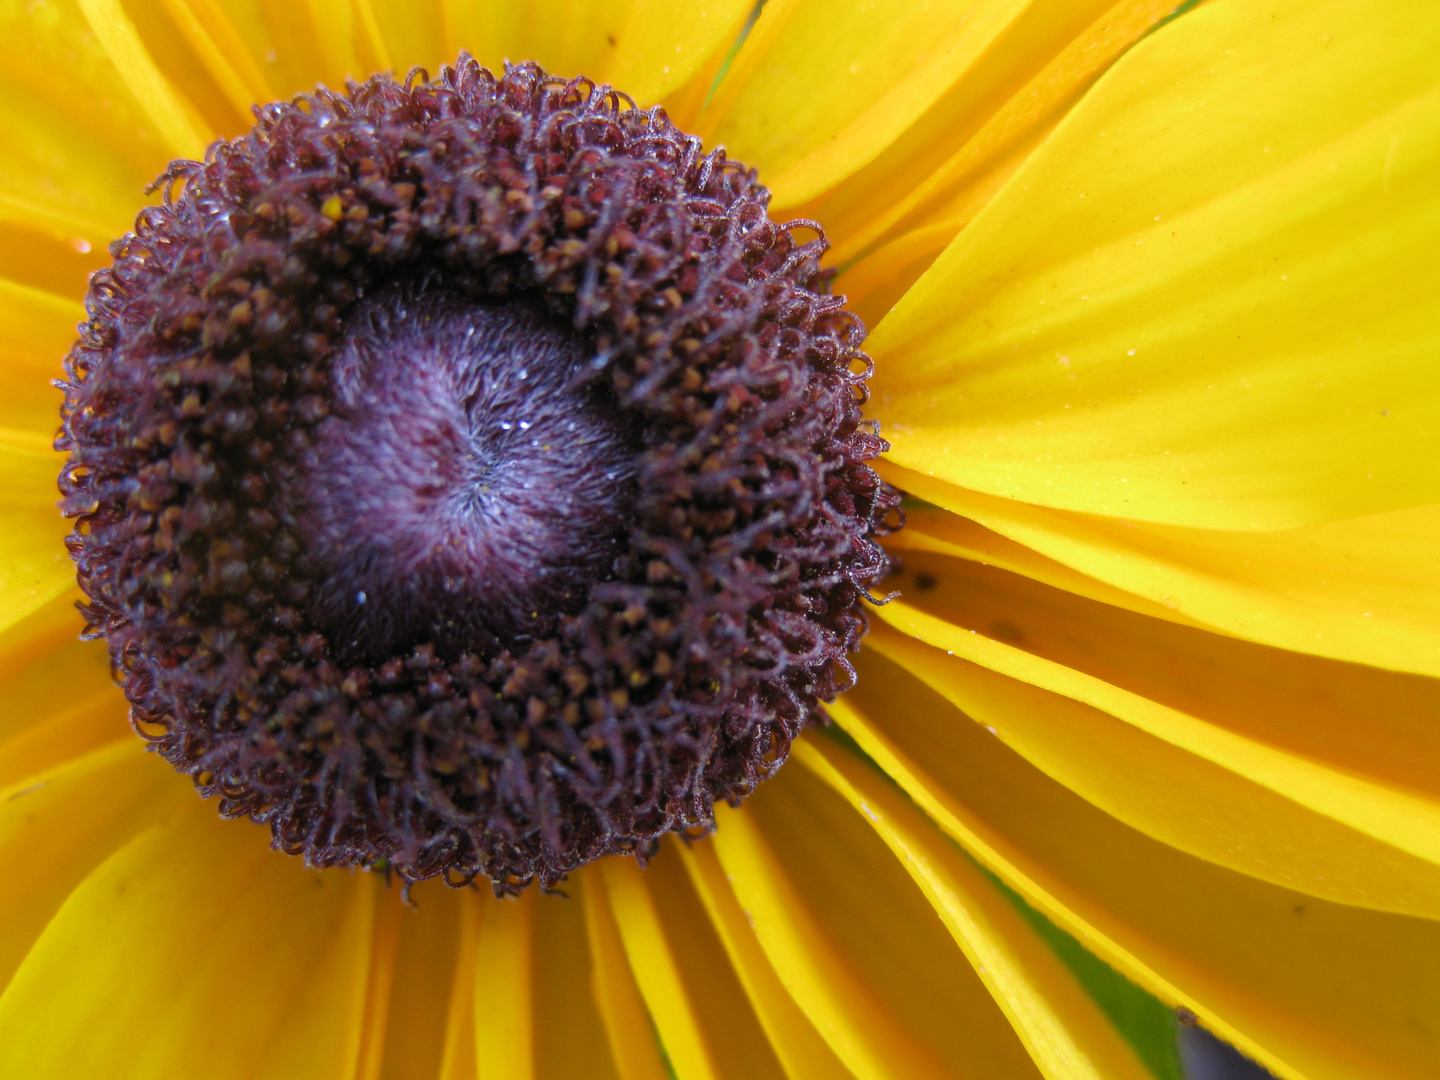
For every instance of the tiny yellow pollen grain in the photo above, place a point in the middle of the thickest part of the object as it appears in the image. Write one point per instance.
(333, 208)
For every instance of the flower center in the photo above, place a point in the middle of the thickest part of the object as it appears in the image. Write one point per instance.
(468, 484)
(470, 478)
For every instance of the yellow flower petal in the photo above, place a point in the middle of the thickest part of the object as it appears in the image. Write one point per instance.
(801, 1050)
(50, 626)
(36, 330)
(166, 109)
(59, 268)
(1193, 785)
(1067, 1035)
(497, 988)
(504, 1010)
(223, 56)
(657, 972)
(662, 44)
(1365, 590)
(214, 86)
(229, 73)
(425, 960)
(57, 826)
(34, 567)
(930, 529)
(297, 45)
(1308, 987)
(645, 48)
(700, 1011)
(818, 90)
(1208, 300)
(855, 941)
(457, 1060)
(39, 728)
(383, 952)
(381, 35)
(873, 283)
(993, 116)
(189, 913)
(570, 1036)
(732, 1030)
(79, 147)
(1375, 728)
(632, 1041)
(904, 209)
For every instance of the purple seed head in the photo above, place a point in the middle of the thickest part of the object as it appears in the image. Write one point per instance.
(469, 478)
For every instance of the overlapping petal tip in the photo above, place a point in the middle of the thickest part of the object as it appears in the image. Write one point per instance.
(922, 143)
(1058, 1024)
(1207, 301)
(1308, 986)
(1357, 720)
(811, 98)
(1362, 590)
(1210, 777)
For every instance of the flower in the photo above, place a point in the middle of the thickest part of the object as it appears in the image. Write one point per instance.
(1154, 340)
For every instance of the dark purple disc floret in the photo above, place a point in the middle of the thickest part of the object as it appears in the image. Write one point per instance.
(470, 478)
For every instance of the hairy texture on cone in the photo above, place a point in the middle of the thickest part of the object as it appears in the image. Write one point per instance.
(350, 596)
(467, 483)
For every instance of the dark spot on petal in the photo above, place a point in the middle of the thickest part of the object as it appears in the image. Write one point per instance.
(1002, 630)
